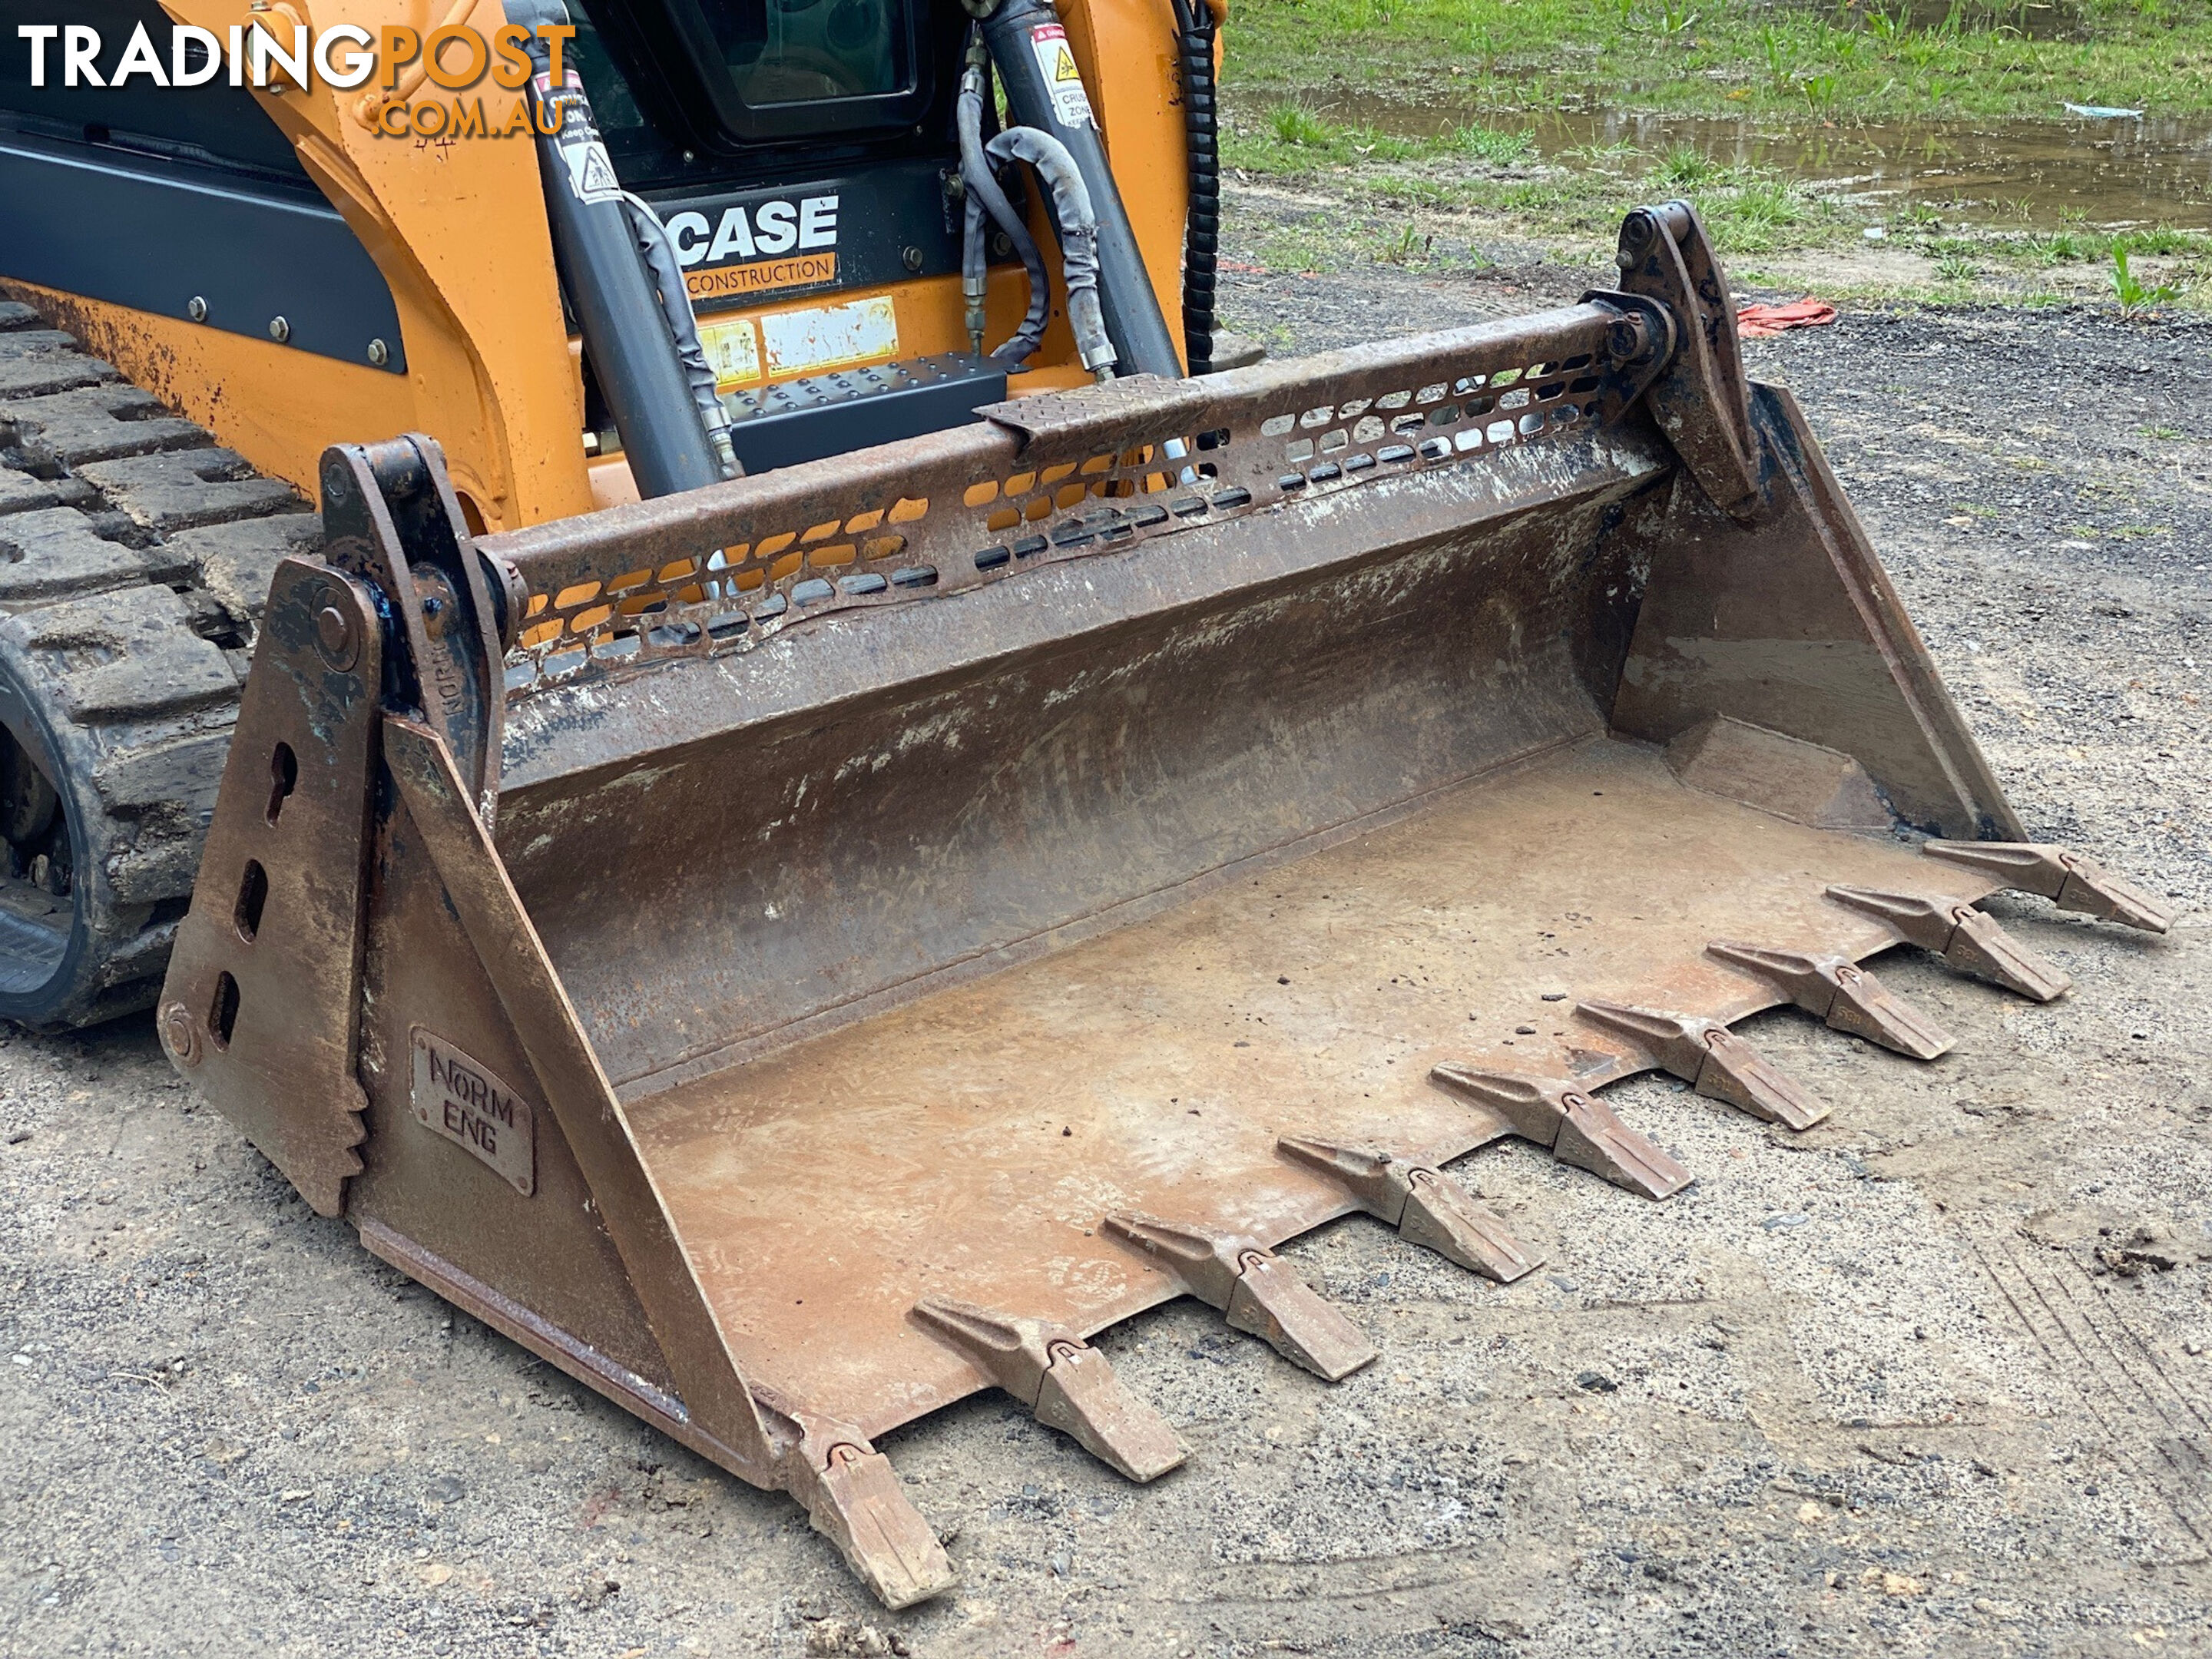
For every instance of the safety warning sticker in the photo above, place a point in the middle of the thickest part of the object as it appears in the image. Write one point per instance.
(733, 349)
(1071, 106)
(591, 172)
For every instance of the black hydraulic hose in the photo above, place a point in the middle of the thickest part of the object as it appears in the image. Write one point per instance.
(665, 267)
(625, 328)
(1194, 34)
(984, 197)
(1044, 91)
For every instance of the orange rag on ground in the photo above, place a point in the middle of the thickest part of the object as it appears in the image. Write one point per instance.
(1764, 322)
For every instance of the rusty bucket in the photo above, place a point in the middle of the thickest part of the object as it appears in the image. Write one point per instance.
(798, 953)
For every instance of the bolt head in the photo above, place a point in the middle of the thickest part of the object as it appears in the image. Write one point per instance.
(279, 330)
(378, 353)
(196, 309)
(334, 638)
(180, 1033)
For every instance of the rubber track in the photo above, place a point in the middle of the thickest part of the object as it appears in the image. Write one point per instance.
(135, 558)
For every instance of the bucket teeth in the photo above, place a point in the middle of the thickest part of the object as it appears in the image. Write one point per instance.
(2067, 880)
(854, 1499)
(1970, 940)
(1256, 1289)
(1426, 1205)
(1713, 1059)
(1839, 991)
(1443, 1216)
(1065, 1380)
(1737, 1073)
(1579, 1130)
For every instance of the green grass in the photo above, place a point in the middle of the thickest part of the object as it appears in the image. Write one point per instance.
(1792, 66)
(1805, 61)
(1499, 149)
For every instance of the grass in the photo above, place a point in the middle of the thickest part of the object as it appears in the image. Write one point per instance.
(1802, 61)
(1442, 118)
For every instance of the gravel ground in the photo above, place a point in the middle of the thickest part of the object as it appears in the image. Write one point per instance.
(1935, 1376)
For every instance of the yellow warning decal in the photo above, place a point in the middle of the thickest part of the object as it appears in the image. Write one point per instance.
(733, 349)
(1071, 105)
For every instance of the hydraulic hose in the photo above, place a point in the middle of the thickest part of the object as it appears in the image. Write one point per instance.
(1045, 92)
(1078, 236)
(984, 197)
(1194, 34)
(663, 264)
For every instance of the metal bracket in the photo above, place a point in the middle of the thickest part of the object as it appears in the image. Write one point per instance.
(1426, 1205)
(1971, 941)
(1837, 990)
(1701, 403)
(265, 983)
(393, 519)
(1259, 1292)
(1577, 1128)
(1643, 340)
(1713, 1059)
(1065, 1380)
(2067, 880)
(853, 1499)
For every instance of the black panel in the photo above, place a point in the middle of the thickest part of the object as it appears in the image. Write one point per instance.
(805, 420)
(154, 234)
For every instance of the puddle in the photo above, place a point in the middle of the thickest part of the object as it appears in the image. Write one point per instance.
(2116, 173)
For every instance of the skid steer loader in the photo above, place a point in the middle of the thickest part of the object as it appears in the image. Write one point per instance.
(797, 949)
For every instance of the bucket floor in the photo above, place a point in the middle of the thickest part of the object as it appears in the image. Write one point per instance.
(967, 1142)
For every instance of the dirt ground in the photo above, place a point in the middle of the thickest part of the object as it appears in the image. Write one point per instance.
(1935, 1376)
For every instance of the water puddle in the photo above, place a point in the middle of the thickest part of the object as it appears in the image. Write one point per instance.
(2108, 173)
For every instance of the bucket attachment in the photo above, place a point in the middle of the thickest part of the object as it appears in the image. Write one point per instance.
(800, 952)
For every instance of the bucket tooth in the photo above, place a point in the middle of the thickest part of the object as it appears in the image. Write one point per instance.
(1578, 1128)
(854, 1498)
(1258, 1291)
(1737, 1073)
(1065, 1382)
(1845, 994)
(1970, 940)
(1713, 1059)
(2067, 880)
(1442, 1215)
(1427, 1206)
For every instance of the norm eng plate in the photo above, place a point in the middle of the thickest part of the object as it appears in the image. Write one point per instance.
(472, 1108)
